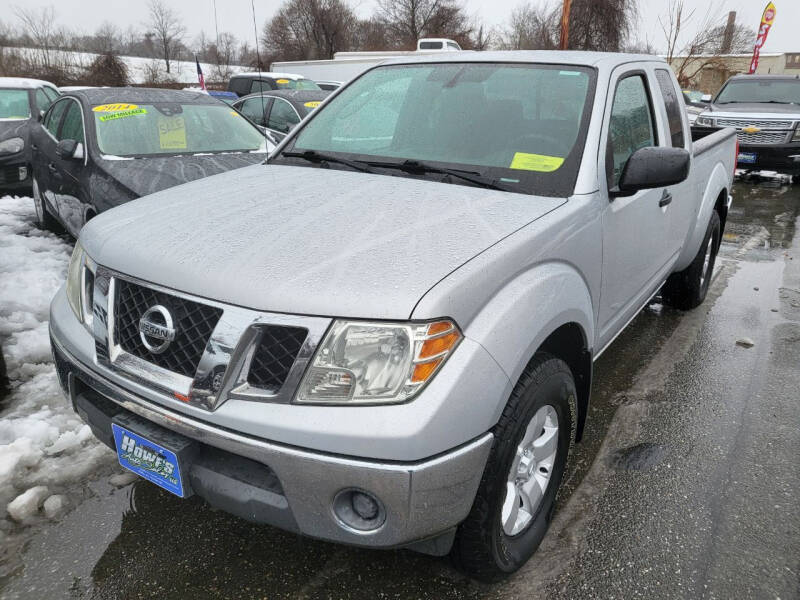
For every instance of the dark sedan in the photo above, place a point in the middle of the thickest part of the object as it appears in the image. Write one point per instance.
(98, 148)
(279, 111)
(22, 102)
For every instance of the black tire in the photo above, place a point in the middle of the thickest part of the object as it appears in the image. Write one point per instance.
(44, 220)
(482, 549)
(687, 289)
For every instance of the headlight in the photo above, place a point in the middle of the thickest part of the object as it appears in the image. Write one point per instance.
(705, 121)
(692, 118)
(80, 285)
(12, 146)
(796, 136)
(376, 363)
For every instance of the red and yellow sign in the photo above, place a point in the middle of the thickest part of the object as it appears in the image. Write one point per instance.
(767, 19)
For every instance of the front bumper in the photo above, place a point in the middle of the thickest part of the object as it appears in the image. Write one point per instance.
(15, 172)
(783, 159)
(290, 487)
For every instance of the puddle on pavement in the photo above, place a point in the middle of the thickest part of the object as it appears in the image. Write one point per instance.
(638, 458)
(770, 204)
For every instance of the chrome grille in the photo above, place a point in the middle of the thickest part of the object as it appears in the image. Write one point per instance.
(274, 356)
(776, 137)
(194, 323)
(739, 123)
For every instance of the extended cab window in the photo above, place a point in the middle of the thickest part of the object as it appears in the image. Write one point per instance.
(674, 107)
(631, 126)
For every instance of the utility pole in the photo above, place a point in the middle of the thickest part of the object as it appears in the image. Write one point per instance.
(565, 25)
(727, 39)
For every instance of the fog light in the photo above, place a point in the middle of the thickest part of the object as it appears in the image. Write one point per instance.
(23, 173)
(358, 510)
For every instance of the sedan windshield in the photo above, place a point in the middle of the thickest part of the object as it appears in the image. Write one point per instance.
(518, 126)
(172, 128)
(778, 91)
(14, 104)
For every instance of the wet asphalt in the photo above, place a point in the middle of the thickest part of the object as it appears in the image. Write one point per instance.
(685, 485)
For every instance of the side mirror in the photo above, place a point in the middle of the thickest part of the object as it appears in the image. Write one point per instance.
(653, 167)
(69, 149)
(40, 117)
(706, 98)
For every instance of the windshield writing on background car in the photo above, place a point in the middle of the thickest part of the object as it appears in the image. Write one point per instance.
(756, 91)
(14, 104)
(512, 122)
(172, 128)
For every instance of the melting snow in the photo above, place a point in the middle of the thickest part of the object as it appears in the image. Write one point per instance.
(43, 444)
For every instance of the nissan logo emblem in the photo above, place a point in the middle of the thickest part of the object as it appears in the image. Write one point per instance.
(156, 329)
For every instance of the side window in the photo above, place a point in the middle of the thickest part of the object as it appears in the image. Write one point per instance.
(43, 102)
(260, 86)
(631, 126)
(253, 109)
(51, 93)
(72, 128)
(674, 107)
(282, 116)
(53, 118)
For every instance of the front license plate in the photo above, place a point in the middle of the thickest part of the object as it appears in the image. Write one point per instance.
(148, 460)
(747, 158)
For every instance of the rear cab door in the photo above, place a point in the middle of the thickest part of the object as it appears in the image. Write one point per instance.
(637, 251)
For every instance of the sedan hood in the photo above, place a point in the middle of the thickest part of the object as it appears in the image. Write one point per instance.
(142, 176)
(308, 240)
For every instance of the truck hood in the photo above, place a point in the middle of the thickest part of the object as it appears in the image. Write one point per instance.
(142, 176)
(308, 240)
(749, 109)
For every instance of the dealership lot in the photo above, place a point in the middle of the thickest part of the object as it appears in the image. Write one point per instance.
(685, 484)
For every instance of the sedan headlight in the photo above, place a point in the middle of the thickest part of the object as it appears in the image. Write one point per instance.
(705, 121)
(12, 145)
(376, 363)
(80, 285)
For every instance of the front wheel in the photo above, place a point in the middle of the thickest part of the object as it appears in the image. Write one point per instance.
(688, 288)
(516, 497)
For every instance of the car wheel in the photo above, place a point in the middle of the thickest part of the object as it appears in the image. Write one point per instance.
(44, 220)
(515, 501)
(687, 289)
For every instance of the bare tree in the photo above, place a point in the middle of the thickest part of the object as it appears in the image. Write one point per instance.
(531, 28)
(222, 55)
(704, 49)
(40, 26)
(167, 29)
(308, 29)
(601, 25)
(409, 20)
(106, 40)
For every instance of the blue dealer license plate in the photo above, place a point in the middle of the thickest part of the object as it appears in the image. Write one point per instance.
(747, 158)
(148, 460)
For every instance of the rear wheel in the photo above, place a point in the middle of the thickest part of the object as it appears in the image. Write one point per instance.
(688, 288)
(44, 220)
(516, 497)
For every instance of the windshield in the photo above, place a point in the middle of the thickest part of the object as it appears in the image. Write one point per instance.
(14, 104)
(519, 124)
(171, 128)
(296, 84)
(761, 90)
(693, 95)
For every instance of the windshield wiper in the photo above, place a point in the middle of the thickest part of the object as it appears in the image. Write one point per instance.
(320, 157)
(778, 102)
(415, 166)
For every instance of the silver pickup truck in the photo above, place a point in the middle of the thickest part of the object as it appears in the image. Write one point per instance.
(384, 336)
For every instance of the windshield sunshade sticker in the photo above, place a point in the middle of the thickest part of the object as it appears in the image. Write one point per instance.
(313, 104)
(536, 162)
(122, 114)
(114, 107)
(172, 133)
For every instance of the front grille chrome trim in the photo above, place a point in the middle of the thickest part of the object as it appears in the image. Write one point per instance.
(223, 368)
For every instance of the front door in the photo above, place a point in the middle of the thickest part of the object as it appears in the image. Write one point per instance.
(636, 229)
(70, 196)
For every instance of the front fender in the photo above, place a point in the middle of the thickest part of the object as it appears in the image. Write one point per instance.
(521, 316)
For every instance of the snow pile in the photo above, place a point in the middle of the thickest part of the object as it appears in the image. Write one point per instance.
(43, 444)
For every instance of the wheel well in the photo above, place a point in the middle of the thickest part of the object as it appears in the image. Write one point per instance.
(568, 343)
(721, 206)
(89, 215)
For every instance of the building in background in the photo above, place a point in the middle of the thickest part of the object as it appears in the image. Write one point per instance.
(709, 77)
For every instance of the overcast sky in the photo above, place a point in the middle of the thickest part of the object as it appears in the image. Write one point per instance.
(235, 15)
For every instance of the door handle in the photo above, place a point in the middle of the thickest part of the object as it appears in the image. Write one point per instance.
(51, 167)
(666, 198)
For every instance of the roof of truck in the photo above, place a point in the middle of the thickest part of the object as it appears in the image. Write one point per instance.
(590, 59)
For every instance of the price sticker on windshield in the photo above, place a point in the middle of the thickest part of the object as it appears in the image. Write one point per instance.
(172, 133)
(282, 81)
(313, 104)
(117, 107)
(536, 162)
